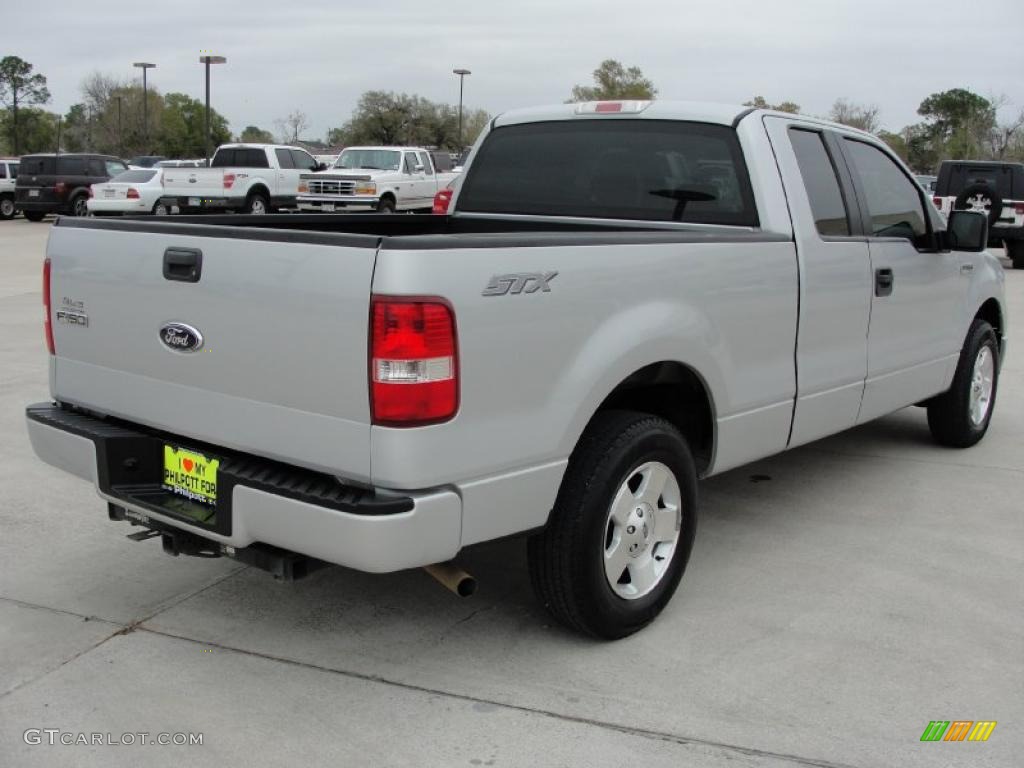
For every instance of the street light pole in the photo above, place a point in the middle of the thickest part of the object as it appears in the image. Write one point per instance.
(120, 142)
(207, 61)
(144, 66)
(462, 75)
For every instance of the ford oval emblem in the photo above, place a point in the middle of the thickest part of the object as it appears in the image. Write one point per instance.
(181, 338)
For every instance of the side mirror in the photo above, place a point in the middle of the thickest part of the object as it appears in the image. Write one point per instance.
(966, 231)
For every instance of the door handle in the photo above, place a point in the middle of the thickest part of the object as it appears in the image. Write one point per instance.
(183, 264)
(884, 280)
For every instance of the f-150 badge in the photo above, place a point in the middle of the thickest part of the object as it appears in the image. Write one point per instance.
(520, 282)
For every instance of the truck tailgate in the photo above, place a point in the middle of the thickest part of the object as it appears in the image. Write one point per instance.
(282, 369)
(195, 182)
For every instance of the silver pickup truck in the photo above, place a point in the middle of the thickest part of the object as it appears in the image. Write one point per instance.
(626, 297)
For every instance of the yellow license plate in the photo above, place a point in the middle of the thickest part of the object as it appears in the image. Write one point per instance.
(190, 474)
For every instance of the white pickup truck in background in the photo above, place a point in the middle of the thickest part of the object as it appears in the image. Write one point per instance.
(252, 178)
(385, 179)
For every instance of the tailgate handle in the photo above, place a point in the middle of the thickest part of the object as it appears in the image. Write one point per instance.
(183, 264)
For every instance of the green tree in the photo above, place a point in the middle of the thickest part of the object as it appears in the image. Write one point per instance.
(759, 102)
(19, 88)
(959, 121)
(614, 81)
(37, 129)
(402, 119)
(253, 134)
(183, 127)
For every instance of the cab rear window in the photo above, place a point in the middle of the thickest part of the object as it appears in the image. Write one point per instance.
(240, 157)
(649, 170)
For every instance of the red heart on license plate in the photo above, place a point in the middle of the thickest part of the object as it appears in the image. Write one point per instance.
(188, 464)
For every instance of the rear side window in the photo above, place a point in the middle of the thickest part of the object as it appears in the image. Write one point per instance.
(240, 157)
(38, 166)
(284, 158)
(648, 170)
(893, 200)
(425, 162)
(3, 171)
(14, 170)
(820, 181)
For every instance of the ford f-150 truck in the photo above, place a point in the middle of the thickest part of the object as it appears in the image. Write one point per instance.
(249, 178)
(384, 179)
(625, 297)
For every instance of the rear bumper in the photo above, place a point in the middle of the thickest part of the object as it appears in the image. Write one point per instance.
(44, 206)
(198, 204)
(260, 501)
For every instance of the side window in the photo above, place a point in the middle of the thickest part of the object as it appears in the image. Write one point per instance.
(893, 200)
(303, 160)
(410, 162)
(284, 158)
(425, 160)
(3, 170)
(255, 158)
(225, 158)
(819, 175)
(14, 170)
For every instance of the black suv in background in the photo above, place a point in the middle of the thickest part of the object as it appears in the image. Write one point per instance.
(60, 183)
(993, 188)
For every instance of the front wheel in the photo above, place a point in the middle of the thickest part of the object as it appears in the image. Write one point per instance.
(960, 417)
(623, 525)
(386, 205)
(1015, 250)
(7, 208)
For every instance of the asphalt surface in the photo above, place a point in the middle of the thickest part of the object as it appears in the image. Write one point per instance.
(840, 597)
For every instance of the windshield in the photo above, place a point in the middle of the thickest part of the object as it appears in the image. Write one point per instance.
(369, 159)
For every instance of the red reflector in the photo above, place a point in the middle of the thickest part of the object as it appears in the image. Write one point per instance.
(60, 188)
(47, 324)
(132, 194)
(609, 106)
(413, 362)
(442, 200)
(938, 202)
(229, 180)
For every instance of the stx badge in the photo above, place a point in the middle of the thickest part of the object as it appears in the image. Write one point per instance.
(521, 282)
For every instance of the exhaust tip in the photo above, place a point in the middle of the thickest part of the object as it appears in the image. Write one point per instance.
(452, 578)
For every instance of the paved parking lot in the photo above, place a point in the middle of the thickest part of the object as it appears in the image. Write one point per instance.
(840, 597)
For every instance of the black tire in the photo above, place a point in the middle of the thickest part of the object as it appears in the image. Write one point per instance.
(993, 206)
(159, 209)
(386, 205)
(34, 215)
(949, 414)
(7, 209)
(79, 206)
(566, 559)
(1015, 250)
(257, 204)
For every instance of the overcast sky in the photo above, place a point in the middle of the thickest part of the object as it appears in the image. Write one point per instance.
(320, 55)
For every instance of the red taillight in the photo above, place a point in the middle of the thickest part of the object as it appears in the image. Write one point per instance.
(1019, 209)
(229, 180)
(442, 200)
(47, 324)
(413, 362)
(60, 188)
(132, 194)
(938, 202)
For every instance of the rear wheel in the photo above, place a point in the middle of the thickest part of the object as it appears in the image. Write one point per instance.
(160, 209)
(80, 205)
(34, 215)
(622, 528)
(1015, 250)
(960, 417)
(257, 204)
(7, 208)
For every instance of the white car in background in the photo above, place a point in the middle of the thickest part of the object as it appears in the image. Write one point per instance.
(135, 191)
(8, 177)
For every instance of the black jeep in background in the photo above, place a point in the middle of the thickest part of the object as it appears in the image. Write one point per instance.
(993, 188)
(60, 183)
